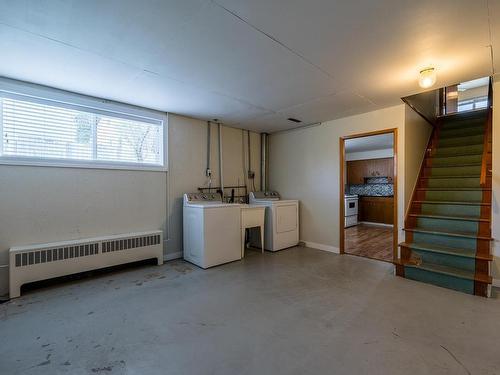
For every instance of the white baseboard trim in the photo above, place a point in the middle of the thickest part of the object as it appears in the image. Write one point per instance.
(496, 283)
(172, 256)
(319, 246)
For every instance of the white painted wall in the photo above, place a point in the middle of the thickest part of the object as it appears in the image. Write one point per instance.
(365, 155)
(417, 134)
(495, 223)
(46, 204)
(304, 165)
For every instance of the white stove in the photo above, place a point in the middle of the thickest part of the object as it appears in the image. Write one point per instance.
(350, 210)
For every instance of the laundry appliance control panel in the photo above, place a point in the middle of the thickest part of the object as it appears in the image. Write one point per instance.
(203, 197)
(272, 195)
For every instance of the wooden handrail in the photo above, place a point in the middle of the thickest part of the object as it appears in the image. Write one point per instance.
(487, 137)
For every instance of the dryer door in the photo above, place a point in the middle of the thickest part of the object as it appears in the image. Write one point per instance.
(286, 218)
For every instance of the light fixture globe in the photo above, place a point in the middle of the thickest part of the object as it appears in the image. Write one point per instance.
(427, 78)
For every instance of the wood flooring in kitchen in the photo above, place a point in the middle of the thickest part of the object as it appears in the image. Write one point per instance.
(371, 241)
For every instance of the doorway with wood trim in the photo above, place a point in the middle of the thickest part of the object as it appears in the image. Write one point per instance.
(368, 195)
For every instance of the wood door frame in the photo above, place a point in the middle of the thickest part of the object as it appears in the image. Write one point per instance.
(342, 179)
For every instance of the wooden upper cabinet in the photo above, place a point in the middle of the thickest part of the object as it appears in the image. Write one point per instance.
(358, 170)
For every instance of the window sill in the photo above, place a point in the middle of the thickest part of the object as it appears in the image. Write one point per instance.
(80, 164)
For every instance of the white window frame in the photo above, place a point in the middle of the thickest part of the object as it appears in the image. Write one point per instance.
(46, 95)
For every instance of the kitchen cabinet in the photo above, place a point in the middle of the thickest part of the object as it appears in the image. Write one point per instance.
(358, 170)
(376, 209)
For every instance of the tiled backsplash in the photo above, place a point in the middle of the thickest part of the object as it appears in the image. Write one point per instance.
(377, 180)
(372, 190)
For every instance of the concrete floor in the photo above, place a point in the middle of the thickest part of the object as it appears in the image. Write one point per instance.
(298, 311)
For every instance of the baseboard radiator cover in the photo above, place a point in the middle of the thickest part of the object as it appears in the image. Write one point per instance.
(44, 261)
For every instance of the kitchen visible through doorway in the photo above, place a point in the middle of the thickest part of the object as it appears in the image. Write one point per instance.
(369, 189)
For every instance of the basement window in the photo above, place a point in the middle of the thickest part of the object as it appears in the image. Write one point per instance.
(41, 131)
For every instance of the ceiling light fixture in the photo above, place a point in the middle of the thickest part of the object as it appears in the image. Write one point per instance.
(427, 78)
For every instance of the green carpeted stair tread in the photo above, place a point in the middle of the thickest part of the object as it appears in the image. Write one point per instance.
(451, 271)
(445, 250)
(441, 177)
(455, 155)
(469, 131)
(448, 234)
(455, 188)
(466, 125)
(462, 150)
(466, 143)
(445, 217)
(455, 170)
(450, 210)
(457, 165)
(447, 182)
(453, 196)
(461, 141)
(460, 203)
(464, 117)
(455, 160)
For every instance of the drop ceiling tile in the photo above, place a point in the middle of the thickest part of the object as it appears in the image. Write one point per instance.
(230, 57)
(170, 95)
(39, 60)
(378, 47)
(268, 123)
(330, 107)
(235, 119)
(128, 31)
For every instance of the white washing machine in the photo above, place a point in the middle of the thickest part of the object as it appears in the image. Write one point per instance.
(281, 220)
(212, 232)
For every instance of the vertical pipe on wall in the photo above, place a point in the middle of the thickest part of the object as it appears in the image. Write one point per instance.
(264, 161)
(166, 148)
(249, 152)
(243, 158)
(208, 171)
(221, 172)
(208, 144)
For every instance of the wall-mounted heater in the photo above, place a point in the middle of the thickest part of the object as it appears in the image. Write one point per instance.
(44, 261)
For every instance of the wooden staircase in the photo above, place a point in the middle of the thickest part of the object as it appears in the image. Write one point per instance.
(448, 225)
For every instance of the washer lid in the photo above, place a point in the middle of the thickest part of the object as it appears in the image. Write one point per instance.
(212, 205)
(275, 203)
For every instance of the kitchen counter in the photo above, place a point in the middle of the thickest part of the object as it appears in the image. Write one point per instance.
(373, 195)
